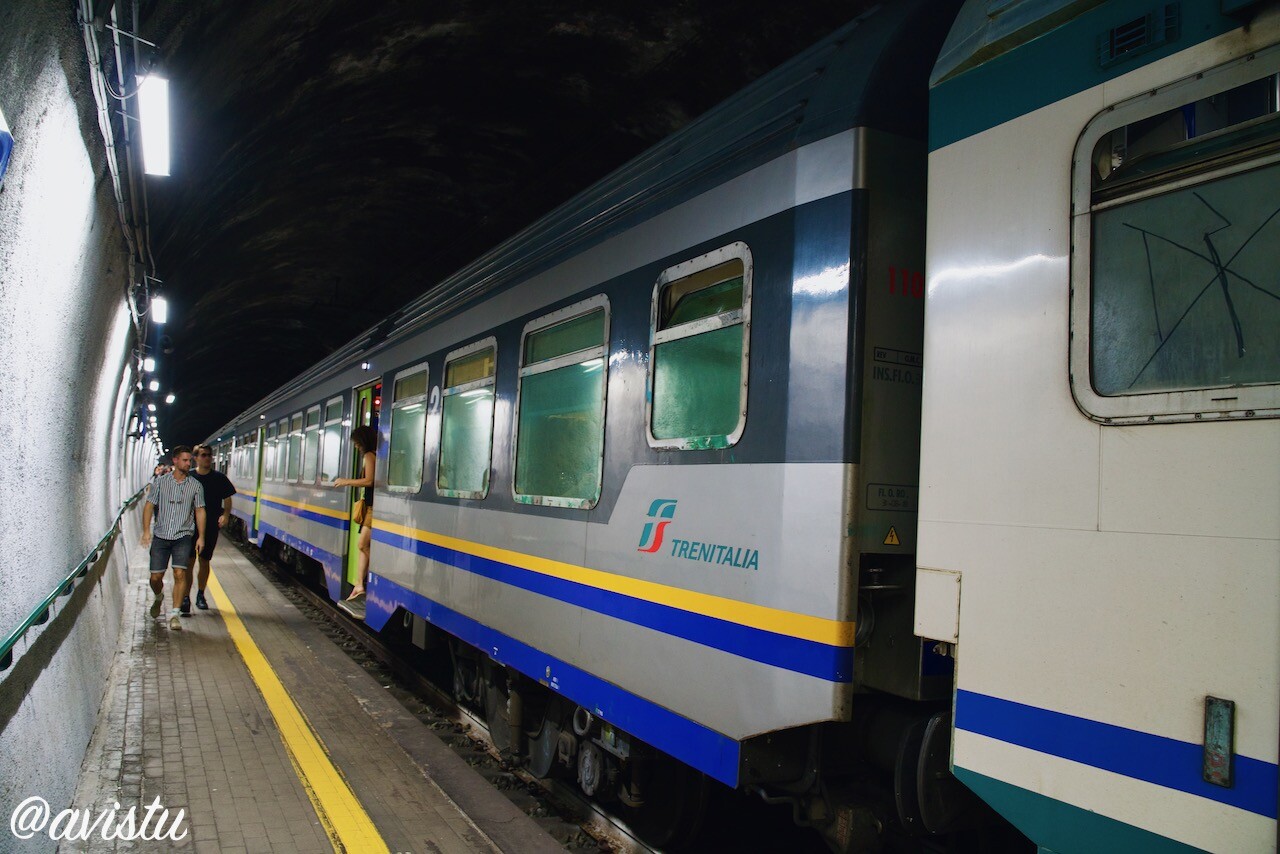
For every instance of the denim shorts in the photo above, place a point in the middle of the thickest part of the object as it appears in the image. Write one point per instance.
(179, 550)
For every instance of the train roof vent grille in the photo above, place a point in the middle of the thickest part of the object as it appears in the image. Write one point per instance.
(1157, 27)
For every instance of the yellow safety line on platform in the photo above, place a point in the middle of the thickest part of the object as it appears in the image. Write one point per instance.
(341, 814)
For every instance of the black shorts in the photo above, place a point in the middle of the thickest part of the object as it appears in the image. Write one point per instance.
(210, 540)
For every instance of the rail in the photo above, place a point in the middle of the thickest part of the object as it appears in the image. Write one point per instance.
(41, 613)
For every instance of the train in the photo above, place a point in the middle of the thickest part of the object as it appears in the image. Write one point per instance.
(898, 442)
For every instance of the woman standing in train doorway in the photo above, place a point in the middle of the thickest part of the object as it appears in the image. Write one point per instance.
(365, 442)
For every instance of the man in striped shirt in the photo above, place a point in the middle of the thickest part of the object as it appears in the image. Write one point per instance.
(176, 500)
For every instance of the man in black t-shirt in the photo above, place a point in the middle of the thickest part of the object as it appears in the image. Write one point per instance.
(217, 501)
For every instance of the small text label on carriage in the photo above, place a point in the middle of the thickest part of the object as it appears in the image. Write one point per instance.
(896, 366)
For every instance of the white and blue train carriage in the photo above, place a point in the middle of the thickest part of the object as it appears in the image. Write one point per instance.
(1099, 527)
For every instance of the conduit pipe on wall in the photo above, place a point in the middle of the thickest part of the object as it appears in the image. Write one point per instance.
(127, 182)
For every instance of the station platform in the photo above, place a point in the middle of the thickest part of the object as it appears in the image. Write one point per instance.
(271, 739)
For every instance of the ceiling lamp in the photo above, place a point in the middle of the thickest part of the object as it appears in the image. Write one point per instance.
(153, 112)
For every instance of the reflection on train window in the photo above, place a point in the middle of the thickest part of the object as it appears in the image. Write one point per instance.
(560, 404)
(295, 448)
(1184, 293)
(250, 460)
(408, 430)
(311, 446)
(331, 446)
(282, 452)
(698, 354)
(466, 429)
(269, 458)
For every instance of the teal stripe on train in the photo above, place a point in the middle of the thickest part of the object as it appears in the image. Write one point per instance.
(1061, 828)
(1053, 65)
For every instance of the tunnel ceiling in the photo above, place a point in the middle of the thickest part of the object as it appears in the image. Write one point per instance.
(334, 159)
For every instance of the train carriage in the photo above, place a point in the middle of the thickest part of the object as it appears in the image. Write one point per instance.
(1100, 475)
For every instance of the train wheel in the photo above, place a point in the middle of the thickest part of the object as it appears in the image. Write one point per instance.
(543, 739)
(495, 709)
(674, 803)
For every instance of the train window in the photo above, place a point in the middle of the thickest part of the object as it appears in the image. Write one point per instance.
(282, 453)
(1176, 221)
(408, 430)
(466, 430)
(331, 448)
(698, 352)
(311, 446)
(251, 458)
(294, 471)
(560, 407)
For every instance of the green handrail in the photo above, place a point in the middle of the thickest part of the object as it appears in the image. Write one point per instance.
(41, 613)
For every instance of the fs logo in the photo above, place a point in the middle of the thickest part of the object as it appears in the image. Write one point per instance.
(661, 511)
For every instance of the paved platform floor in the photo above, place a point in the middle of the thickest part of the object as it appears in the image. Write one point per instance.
(192, 717)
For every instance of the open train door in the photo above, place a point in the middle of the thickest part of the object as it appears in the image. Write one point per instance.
(367, 405)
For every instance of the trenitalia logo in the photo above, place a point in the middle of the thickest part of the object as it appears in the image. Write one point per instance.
(661, 512)
(651, 538)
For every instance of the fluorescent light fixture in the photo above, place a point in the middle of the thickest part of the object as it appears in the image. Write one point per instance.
(148, 364)
(151, 407)
(153, 111)
(154, 385)
(159, 309)
(170, 398)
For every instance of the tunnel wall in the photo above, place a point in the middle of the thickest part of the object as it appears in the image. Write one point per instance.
(65, 393)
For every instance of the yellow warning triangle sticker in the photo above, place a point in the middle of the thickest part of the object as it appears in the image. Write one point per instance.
(891, 538)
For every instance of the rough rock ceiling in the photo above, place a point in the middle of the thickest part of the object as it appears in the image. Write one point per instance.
(334, 159)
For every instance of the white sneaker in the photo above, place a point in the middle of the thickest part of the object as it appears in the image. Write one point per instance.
(175, 623)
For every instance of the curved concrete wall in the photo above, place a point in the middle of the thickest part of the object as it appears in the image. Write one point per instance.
(65, 391)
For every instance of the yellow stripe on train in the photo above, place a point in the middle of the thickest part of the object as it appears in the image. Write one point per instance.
(310, 508)
(803, 626)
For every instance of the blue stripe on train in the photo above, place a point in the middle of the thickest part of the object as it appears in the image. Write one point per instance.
(309, 515)
(247, 518)
(798, 655)
(332, 563)
(1140, 755)
(714, 754)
